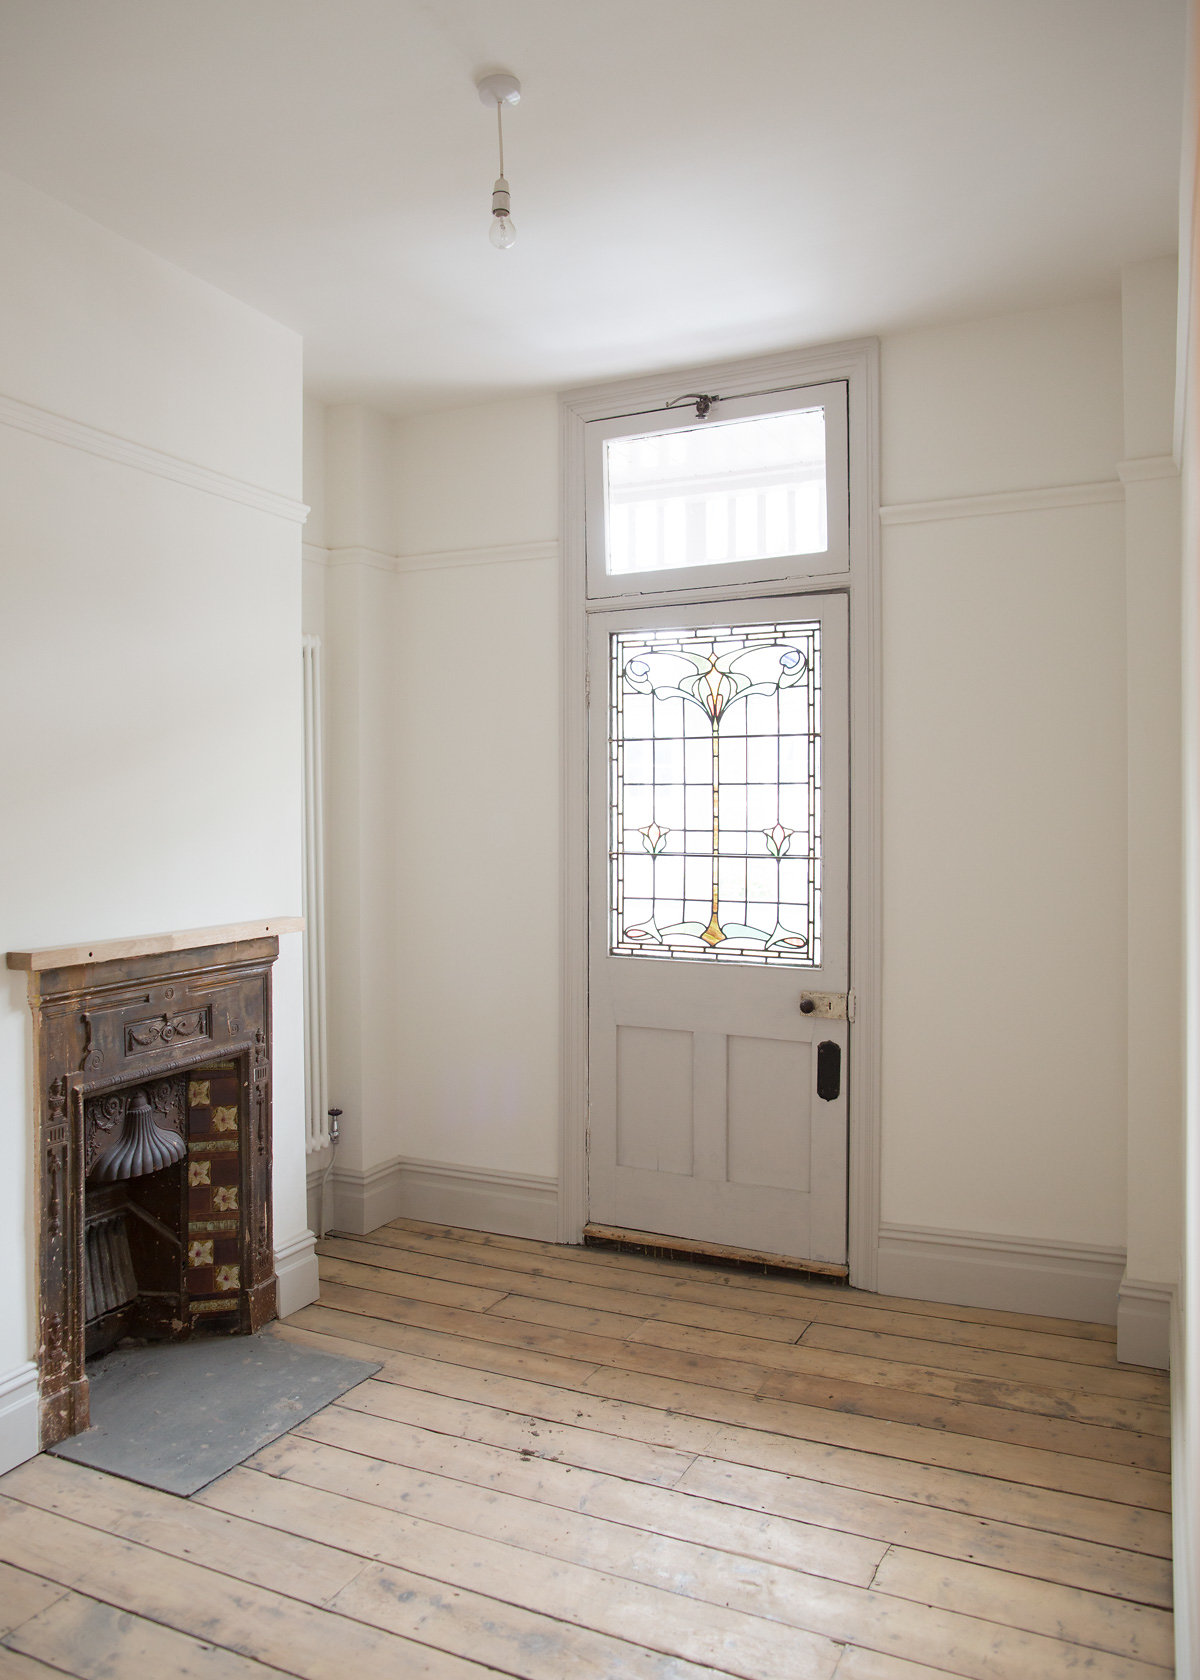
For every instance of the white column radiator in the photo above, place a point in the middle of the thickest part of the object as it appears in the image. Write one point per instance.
(315, 1050)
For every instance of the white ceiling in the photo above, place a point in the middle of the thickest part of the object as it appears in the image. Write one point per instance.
(690, 178)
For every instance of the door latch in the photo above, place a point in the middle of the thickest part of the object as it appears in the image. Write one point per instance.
(828, 1006)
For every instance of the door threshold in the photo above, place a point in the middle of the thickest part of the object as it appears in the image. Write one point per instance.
(717, 1254)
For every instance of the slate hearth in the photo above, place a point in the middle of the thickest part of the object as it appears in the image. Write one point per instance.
(154, 1409)
(160, 1064)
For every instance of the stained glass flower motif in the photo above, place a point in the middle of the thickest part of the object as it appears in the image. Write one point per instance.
(779, 840)
(654, 838)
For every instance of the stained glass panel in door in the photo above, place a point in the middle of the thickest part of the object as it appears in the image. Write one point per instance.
(715, 783)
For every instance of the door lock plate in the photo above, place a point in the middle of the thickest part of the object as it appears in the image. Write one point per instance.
(827, 1006)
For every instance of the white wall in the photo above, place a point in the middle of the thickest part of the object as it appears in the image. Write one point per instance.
(313, 592)
(435, 583)
(477, 678)
(151, 616)
(1154, 711)
(478, 1027)
(349, 600)
(1004, 784)
(1008, 847)
(1032, 889)
(478, 478)
(1009, 403)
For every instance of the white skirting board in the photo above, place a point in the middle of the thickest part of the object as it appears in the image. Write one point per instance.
(18, 1415)
(1144, 1323)
(317, 1188)
(478, 1198)
(296, 1274)
(1012, 1274)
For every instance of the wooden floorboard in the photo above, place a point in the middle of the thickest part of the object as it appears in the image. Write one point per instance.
(667, 1407)
(1080, 1424)
(702, 1303)
(429, 1383)
(939, 1517)
(581, 1464)
(678, 1279)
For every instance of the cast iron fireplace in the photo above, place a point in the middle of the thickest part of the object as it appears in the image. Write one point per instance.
(153, 1152)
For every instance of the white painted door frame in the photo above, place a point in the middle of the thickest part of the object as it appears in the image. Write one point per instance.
(857, 363)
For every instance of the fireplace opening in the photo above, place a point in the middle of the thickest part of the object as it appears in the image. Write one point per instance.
(163, 1202)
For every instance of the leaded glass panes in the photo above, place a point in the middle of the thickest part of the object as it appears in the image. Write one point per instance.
(717, 493)
(715, 783)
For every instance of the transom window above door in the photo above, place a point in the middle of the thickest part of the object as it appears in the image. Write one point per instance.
(713, 491)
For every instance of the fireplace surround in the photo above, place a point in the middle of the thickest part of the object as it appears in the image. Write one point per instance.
(153, 1056)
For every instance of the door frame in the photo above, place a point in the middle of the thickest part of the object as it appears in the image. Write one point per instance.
(857, 363)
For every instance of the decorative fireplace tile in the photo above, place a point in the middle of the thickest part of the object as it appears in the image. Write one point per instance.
(214, 1170)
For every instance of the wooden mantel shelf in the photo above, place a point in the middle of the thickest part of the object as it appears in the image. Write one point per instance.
(152, 944)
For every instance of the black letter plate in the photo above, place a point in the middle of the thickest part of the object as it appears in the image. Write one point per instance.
(829, 1070)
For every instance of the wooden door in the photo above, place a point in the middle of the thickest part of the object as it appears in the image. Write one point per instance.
(719, 922)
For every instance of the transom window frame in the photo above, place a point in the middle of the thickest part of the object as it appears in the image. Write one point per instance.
(721, 576)
(855, 363)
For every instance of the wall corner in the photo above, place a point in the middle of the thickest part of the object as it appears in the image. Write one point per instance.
(1144, 1323)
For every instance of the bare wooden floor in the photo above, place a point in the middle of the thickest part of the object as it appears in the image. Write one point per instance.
(580, 1465)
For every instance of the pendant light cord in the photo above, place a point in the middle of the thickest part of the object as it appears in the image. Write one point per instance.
(500, 132)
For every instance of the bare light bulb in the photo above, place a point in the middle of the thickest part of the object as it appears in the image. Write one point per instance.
(500, 88)
(503, 232)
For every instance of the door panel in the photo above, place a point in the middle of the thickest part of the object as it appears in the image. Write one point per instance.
(705, 1120)
(768, 1115)
(654, 1099)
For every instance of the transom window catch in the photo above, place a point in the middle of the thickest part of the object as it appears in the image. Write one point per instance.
(704, 405)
